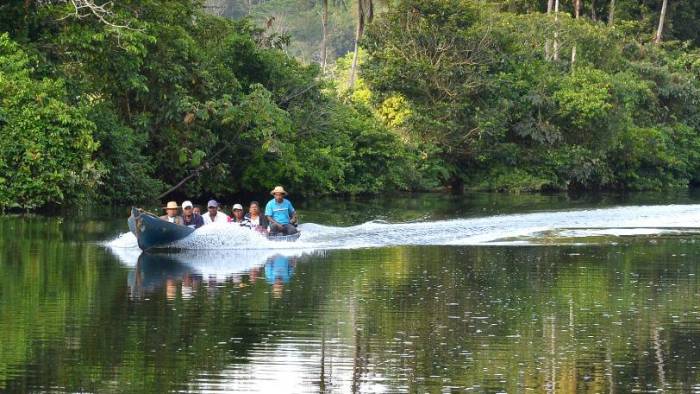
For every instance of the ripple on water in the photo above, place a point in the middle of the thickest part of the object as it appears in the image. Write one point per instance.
(392, 319)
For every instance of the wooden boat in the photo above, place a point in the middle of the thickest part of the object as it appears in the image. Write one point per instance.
(152, 232)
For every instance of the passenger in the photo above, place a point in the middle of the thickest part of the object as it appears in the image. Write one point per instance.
(280, 213)
(213, 215)
(254, 219)
(197, 211)
(189, 218)
(171, 213)
(237, 216)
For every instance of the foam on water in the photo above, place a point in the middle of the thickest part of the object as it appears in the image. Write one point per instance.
(617, 221)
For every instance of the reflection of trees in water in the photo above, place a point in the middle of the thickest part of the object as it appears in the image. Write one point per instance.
(571, 318)
(48, 290)
(75, 324)
(554, 319)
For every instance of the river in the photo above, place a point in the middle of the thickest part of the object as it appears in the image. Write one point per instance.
(419, 293)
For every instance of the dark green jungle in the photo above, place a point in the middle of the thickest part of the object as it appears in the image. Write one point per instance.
(120, 102)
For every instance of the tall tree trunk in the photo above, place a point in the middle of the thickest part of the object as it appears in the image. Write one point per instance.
(548, 42)
(370, 11)
(358, 35)
(577, 14)
(611, 13)
(556, 30)
(662, 19)
(324, 39)
(594, 14)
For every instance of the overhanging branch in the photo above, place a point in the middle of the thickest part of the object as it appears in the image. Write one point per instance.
(87, 8)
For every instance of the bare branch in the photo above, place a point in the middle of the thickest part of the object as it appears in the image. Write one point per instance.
(87, 8)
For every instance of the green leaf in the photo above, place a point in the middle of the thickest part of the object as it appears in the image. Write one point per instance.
(197, 158)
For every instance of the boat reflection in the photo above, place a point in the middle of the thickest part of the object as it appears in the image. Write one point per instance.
(184, 274)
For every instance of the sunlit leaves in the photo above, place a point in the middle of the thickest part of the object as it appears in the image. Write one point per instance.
(584, 96)
(47, 150)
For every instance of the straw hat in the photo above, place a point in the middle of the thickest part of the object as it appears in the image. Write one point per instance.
(278, 189)
(171, 205)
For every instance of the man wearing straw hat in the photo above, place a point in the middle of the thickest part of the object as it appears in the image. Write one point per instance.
(280, 213)
(171, 213)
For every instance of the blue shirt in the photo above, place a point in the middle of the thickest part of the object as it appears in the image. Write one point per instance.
(278, 268)
(280, 212)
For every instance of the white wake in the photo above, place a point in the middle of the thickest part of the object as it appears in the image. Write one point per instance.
(629, 220)
(233, 245)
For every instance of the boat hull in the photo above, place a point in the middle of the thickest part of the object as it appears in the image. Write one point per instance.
(152, 232)
(284, 238)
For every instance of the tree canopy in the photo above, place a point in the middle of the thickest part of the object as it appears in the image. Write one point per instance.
(501, 104)
(165, 91)
(121, 102)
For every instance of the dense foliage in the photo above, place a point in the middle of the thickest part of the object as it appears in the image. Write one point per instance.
(123, 102)
(122, 106)
(47, 145)
(500, 101)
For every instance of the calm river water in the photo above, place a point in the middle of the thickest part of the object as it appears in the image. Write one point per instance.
(421, 293)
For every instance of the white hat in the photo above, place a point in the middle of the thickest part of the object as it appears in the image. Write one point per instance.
(187, 204)
(237, 206)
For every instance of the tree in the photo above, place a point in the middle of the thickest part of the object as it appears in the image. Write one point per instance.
(548, 42)
(662, 19)
(80, 9)
(611, 13)
(324, 39)
(577, 11)
(358, 36)
(555, 56)
(433, 54)
(47, 150)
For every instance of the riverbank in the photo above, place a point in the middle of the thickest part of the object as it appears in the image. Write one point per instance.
(399, 207)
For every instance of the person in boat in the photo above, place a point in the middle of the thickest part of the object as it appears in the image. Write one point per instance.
(254, 219)
(197, 211)
(189, 218)
(237, 216)
(213, 215)
(171, 213)
(280, 213)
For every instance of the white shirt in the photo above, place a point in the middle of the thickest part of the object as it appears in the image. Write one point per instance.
(219, 218)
